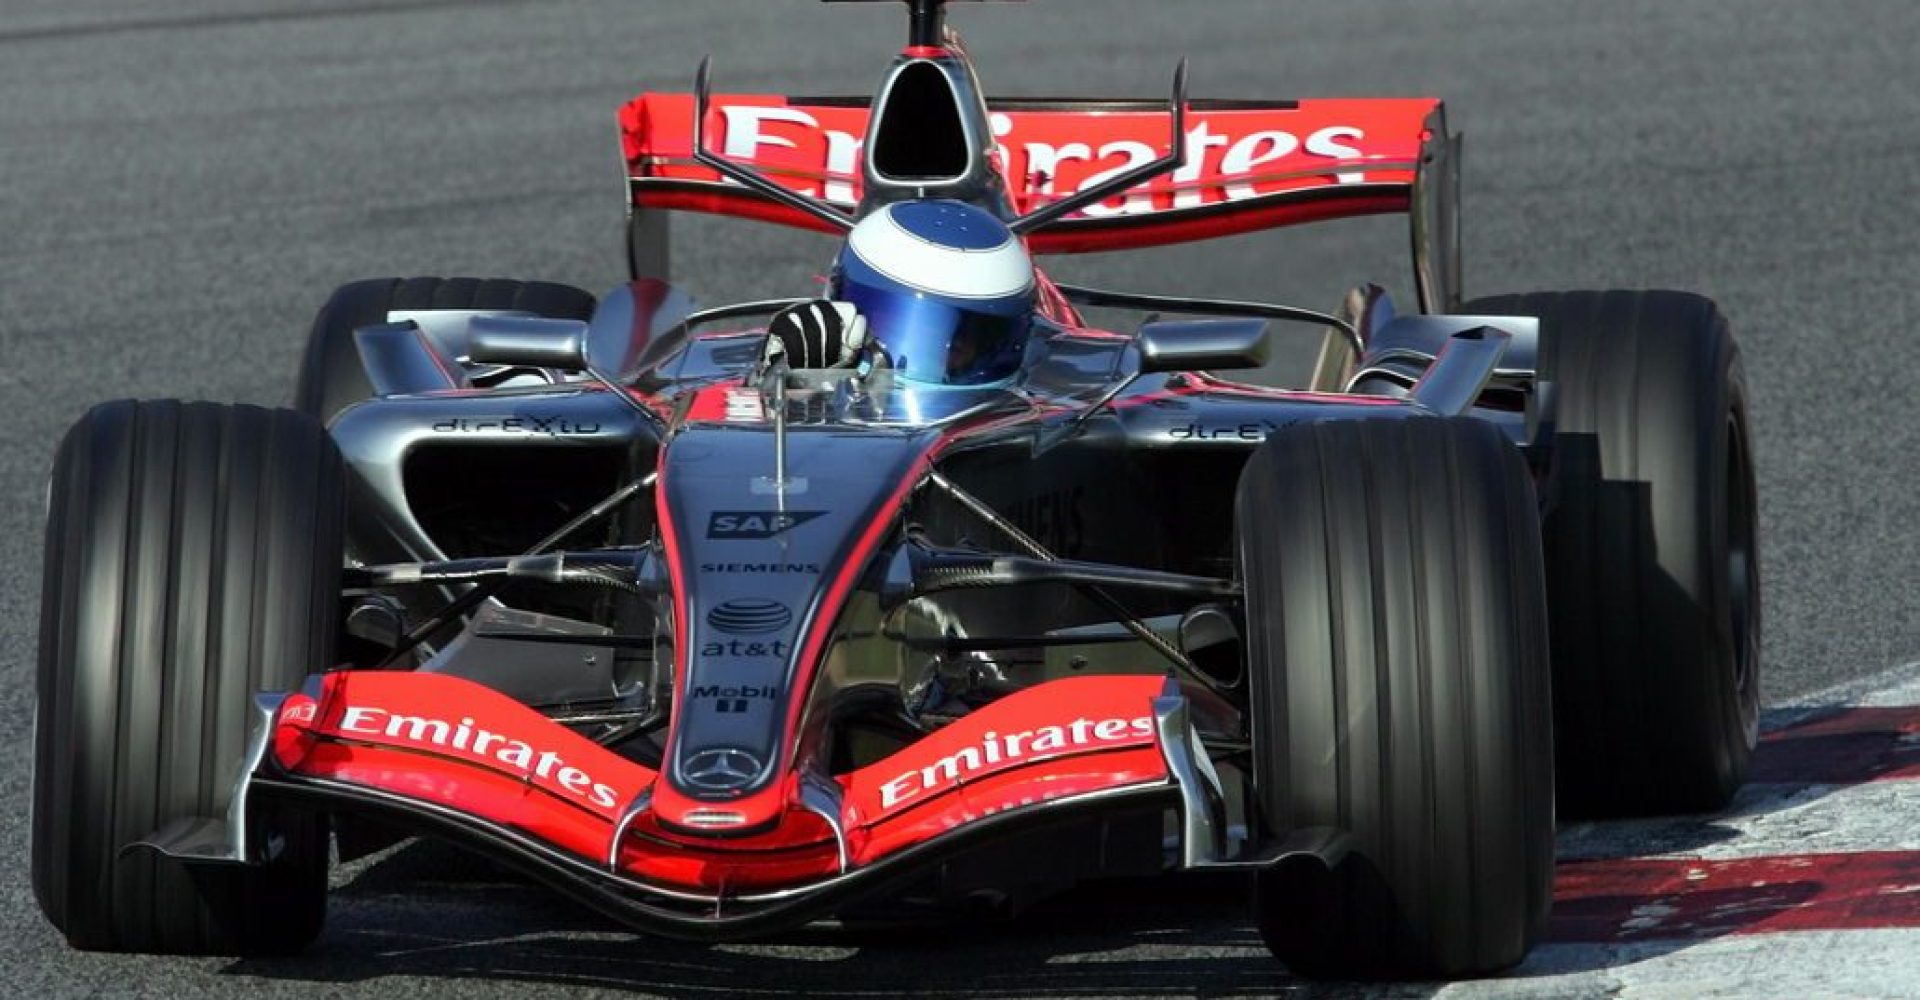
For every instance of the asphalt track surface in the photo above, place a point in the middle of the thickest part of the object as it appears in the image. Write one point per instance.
(182, 183)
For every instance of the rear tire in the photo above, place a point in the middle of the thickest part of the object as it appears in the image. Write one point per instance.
(331, 376)
(1652, 562)
(193, 557)
(1396, 620)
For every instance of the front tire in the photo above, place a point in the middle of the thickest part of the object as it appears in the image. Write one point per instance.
(193, 557)
(1399, 692)
(1651, 541)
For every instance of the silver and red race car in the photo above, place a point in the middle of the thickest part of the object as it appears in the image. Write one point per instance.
(926, 592)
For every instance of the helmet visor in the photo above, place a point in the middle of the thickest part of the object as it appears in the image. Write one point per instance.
(936, 340)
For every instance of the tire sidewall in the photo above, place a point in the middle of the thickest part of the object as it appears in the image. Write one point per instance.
(1740, 715)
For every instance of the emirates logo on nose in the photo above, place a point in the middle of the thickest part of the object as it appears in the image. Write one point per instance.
(749, 617)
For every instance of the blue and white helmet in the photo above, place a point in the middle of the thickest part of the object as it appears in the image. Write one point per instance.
(947, 291)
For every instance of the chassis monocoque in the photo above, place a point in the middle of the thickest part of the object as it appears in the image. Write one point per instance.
(721, 649)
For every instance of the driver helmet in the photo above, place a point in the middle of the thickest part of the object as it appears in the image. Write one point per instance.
(947, 291)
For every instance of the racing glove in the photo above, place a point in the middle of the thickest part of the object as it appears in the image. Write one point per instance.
(817, 334)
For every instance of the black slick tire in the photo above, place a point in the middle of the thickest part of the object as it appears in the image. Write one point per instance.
(1399, 693)
(193, 556)
(1652, 562)
(331, 377)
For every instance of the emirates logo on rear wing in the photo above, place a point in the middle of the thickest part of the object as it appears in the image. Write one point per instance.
(1234, 154)
(1226, 165)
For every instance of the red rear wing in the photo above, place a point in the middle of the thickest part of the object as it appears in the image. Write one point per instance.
(1250, 165)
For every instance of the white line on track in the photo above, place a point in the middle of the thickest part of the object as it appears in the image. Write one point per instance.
(1766, 821)
(1809, 965)
(1894, 686)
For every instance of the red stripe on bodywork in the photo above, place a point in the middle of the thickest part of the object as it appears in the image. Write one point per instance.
(1644, 899)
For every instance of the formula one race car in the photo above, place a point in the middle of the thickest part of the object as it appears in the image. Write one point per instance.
(926, 594)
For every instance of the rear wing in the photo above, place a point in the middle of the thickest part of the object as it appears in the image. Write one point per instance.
(1251, 166)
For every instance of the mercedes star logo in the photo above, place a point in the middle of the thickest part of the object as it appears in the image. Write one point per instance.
(720, 770)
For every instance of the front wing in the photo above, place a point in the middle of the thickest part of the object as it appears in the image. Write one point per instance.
(449, 757)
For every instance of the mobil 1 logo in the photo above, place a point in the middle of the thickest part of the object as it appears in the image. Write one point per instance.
(731, 699)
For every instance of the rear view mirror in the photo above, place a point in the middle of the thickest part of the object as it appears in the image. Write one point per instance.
(528, 342)
(1188, 345)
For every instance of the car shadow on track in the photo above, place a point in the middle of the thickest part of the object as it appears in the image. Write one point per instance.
(1625, 892)
(427, 910)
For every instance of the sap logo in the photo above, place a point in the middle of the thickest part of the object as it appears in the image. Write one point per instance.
(733, 699)
(754, 524)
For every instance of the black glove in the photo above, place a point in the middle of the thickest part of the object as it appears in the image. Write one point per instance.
(817, 334)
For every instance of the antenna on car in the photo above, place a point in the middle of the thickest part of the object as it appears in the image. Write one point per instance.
(747, 176)
(1175, 159)
(926, 19)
